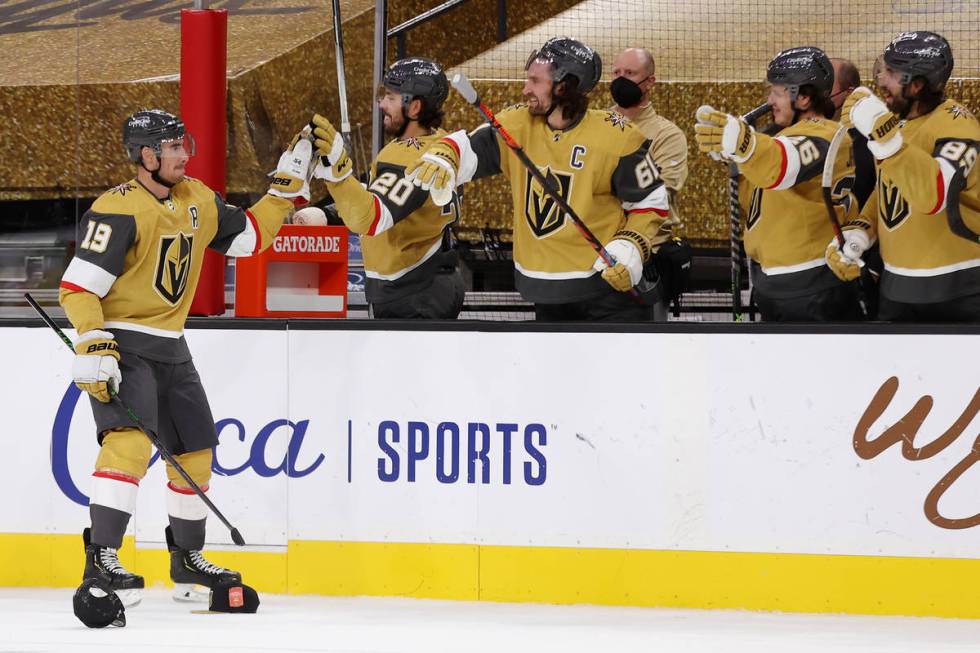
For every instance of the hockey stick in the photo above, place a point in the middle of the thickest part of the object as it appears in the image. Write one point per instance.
(236, 537)
(826, 187)
(338, 37)
(735, 234)
(465, 89)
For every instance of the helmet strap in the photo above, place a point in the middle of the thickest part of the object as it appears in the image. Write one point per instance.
(155, 174)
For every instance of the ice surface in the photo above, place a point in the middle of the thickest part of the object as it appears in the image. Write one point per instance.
(42, 620)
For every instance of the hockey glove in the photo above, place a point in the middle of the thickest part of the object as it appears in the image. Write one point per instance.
(719, 132)
(629, 250)
(333, 162)
(866, 112)
(436, 171)
(845, 262)
(96, 367)
(292, 175)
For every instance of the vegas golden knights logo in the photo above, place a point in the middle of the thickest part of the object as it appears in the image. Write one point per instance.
(755, 208)
(173, 267)
(892, 207)
(541, 210)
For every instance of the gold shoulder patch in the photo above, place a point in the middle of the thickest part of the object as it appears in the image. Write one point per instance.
(617, 120)
(957, 111)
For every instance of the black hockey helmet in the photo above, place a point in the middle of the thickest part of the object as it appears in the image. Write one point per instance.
(150, 128)
(569, 57)
(797, 67)
(97, 606)
(417, 77)
(920, 54)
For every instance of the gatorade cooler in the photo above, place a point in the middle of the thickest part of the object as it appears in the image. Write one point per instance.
(302, 274)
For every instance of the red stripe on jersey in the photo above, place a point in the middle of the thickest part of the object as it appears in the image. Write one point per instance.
(116, 476)
(184, 490)
(452, 144)
(940, 192)
(377, 216)
(782, 165)
(661, 212)
(68, 285)
(255, 228)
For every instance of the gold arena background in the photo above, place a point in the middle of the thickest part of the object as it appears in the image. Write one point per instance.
(70, 75)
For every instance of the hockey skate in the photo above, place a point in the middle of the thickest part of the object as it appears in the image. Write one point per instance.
(193, 575)
(103, 562)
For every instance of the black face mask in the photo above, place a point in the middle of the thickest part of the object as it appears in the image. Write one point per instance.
(625, 92)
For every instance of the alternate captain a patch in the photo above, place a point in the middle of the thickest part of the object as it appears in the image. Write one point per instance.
(173, 266)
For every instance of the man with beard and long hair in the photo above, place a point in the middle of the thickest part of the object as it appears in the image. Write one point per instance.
(597, 161)
(925, 210)
(409, 263)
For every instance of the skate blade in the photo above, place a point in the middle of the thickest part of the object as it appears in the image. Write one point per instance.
(130, 598)
(191, 593)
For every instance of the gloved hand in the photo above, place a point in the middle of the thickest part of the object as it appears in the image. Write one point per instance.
(715, 156)
(333, 163)
(846, 262)
(629, 250)
(96, 367)
(292, 176)
(867, 113)
(719, 132)
(435, 171)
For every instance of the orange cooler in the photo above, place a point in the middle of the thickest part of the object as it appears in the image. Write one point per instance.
(302, 274)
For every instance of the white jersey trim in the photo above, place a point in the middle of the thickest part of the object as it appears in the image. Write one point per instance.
(401, 273)
(245, 242)
(933, 272)
(799, 267)
(467, 157)
(142, 328)
(792, 164)
(554, 276)
(385, 220)
(89, 276)
(946, 173)
(656, 199)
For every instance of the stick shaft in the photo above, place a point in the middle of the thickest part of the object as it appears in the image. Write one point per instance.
(164, 453)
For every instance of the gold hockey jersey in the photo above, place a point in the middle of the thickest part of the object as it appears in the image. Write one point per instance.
(925, 193)
(787, 226)
(141, 258)
(402, 230)
(600, 165)
(668, 147)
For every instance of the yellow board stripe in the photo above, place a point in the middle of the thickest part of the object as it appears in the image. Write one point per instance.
(940, 587)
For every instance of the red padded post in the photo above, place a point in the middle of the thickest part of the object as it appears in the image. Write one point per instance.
(203, 95)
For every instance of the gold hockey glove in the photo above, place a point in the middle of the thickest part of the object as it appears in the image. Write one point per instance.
(436, 170)
(725, 134)
(96, 366)
(333, 162)
(846, 262)
(867, 113)
(629, 250)
(292, 175)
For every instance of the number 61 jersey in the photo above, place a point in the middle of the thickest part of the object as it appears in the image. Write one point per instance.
(600, 165)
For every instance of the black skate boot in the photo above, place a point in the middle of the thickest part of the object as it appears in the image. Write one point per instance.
(193, 575)
(103, 562)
